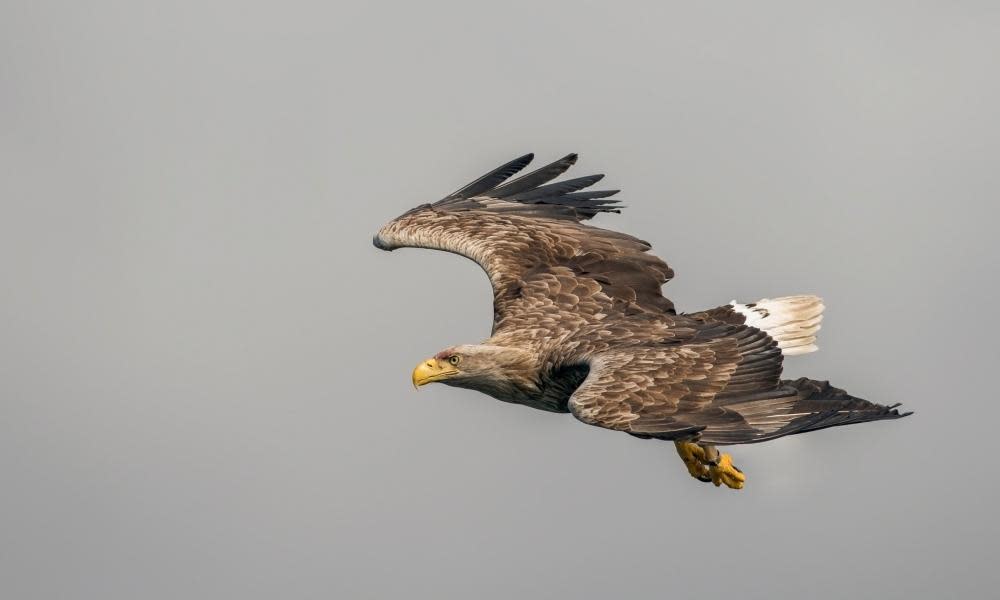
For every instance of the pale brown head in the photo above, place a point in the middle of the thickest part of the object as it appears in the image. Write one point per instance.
(495, 370)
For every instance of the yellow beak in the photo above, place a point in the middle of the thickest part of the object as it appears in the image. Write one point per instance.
(432, 370)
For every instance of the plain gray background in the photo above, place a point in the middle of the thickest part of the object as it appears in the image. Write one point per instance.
(204, 364)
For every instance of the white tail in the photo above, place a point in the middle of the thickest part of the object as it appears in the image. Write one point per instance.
(792, 321)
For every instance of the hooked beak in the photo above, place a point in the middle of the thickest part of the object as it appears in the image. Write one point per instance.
(432, 370)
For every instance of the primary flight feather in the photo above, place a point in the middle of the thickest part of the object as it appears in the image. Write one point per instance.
(580, 325)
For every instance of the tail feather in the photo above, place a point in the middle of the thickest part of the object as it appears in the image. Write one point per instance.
(793, 321)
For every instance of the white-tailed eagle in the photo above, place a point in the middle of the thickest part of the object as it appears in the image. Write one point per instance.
(581, 326)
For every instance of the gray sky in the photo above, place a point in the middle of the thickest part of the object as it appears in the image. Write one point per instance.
(204, 364)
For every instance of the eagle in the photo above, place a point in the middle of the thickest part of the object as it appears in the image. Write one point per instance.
(580, 326)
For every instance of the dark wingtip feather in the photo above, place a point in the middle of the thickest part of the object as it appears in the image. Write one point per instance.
(561, 199)
(538, 177)
(493, 178)
(593, 195)
(892, 409)
(554, 190)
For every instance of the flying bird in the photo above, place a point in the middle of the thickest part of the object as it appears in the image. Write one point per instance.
(580, 325)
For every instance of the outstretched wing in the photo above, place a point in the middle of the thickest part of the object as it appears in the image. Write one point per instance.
(725, 391)
(674, 390)
(528, 231)
(651, 392)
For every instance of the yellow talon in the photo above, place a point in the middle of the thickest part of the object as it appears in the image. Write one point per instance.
(693, 456)
(726, 472)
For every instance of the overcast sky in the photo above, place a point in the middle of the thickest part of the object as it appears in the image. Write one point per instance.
(204, 363)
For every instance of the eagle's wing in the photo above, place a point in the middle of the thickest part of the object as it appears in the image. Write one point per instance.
(653, 391)
(672, 390)
(525, 230)
(725, 390)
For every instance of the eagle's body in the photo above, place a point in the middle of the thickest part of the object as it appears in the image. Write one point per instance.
(581, 326)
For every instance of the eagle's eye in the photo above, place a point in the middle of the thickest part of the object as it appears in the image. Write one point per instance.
(454, 359)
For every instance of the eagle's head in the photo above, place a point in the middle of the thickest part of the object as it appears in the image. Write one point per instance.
(495, 370)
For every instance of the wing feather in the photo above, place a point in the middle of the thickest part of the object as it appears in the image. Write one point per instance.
(555, 190)
(536, 178)
(492, 179)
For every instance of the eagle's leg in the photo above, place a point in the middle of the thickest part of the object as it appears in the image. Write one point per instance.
(721, 468)
(693, 456)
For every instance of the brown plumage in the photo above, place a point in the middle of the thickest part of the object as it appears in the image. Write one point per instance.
(581, 326)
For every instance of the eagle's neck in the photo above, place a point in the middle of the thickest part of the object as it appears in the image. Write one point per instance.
(523, 374)
(508, 373)
(505, 388)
